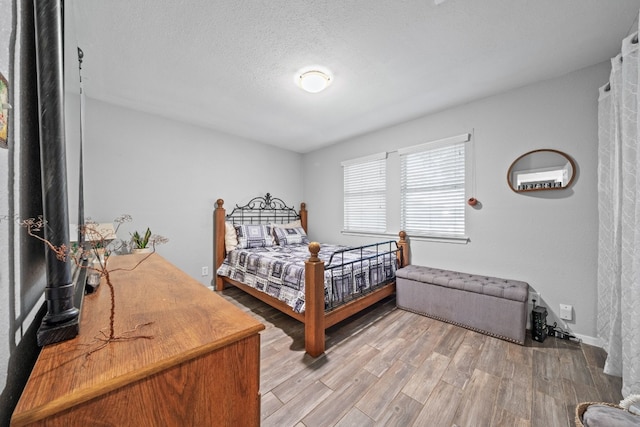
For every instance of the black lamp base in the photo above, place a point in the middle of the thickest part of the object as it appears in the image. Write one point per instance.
(49, 334)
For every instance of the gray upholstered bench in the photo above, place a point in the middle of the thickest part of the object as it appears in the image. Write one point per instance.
(497, 307)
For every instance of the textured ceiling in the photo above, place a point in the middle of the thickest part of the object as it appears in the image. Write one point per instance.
(229, 65)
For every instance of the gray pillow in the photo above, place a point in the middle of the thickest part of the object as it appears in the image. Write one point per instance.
(608, 416)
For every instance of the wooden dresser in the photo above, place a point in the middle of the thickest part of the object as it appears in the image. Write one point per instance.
(201, 368)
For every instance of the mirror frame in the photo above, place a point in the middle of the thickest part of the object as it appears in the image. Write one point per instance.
(550, 150)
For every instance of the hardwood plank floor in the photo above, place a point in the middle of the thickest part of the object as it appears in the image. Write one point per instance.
(389, 367)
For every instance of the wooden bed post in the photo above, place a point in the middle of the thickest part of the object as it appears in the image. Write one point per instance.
(404, 246)
(303, 216)
(314, 303)
(218, 248)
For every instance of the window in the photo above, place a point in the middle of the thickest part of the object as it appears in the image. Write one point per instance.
(365, 185)
(433, 188)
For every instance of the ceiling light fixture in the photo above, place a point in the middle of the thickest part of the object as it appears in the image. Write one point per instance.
(314, 81)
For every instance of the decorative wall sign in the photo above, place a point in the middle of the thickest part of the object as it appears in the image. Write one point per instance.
(4, 111)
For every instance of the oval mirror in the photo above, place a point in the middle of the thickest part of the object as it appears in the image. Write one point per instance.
(541, 170)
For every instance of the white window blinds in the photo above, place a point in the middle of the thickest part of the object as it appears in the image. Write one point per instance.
(433, 188)
(365, 184)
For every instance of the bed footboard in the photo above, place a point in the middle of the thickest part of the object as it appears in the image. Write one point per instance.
(316, 319)
(314, 342)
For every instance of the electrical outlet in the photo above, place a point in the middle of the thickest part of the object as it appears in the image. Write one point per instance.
(566, 312)
(534, 296)
(205, 271)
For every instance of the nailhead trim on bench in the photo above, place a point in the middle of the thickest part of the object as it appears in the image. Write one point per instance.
(472, 328)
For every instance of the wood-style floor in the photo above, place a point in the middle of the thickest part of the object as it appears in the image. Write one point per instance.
(390, 367)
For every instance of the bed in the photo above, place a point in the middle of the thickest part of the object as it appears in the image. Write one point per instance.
(319, 285)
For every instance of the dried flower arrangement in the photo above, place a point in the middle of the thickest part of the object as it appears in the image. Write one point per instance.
(99, 244)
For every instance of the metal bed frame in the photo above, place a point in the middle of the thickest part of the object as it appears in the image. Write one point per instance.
(316, 316)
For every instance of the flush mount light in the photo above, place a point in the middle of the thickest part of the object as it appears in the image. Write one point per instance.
(314, 81)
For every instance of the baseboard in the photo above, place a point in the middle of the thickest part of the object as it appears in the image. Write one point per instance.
(586, 339)
(552, 319)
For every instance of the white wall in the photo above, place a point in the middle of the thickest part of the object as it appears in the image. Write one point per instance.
(547, 239)
(21, 266)
(6, 21)
(4, 273)
(168, 175)
(6, 24)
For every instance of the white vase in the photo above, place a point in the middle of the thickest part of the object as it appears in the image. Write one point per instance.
(141, 250)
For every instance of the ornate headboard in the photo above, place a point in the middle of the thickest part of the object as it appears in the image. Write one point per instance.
(264, 210)
(259, 210)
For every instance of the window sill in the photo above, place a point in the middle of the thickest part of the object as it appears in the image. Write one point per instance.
(439, 239)
(369, 234)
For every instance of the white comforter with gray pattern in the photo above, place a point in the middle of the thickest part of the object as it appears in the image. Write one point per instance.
(279, 272)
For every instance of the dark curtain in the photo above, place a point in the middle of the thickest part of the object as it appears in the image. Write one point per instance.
(24, 157)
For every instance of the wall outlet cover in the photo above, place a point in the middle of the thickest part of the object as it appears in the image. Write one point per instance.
(566, 312)
(534, 296)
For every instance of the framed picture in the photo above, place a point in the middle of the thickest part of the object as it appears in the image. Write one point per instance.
(4, 111)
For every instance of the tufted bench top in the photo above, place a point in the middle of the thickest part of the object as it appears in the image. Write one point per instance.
(501, 288)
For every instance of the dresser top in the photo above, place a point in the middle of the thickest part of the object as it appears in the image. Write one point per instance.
(183, 318)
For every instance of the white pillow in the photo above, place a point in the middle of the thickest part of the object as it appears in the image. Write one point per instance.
(230, 237)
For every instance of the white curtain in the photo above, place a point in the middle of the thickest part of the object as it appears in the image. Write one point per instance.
(619, 218)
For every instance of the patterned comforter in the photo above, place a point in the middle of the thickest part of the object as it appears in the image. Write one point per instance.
(279, 271)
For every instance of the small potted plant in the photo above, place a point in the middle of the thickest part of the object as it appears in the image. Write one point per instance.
(140, 243)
